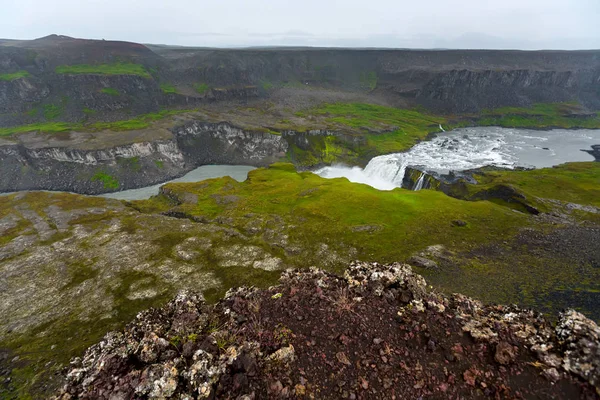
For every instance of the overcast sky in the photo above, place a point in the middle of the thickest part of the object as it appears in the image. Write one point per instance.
(523, 24)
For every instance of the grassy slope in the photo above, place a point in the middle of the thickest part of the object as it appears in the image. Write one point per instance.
(120, 68)
(140, 122)
(332, 210)
(531, 276)
(356, 221)
(577, 183)
(572, 182)
(540, 116)
(391, 226)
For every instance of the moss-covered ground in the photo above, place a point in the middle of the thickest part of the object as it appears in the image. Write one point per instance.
(333, 210)
(577, 183)
(228, 233)
(541, 116)
(119, 68)
(391, 226)
(13, 76)
(140, 122)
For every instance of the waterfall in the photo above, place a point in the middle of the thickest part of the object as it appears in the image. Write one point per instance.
(389, 168)
(442, 128)
(419, 184)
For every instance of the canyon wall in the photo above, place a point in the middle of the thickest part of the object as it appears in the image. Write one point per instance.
(137, 164)
(450, 81)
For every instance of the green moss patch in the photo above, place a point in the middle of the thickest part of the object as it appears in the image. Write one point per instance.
(110, 91)
(541, 116)
(139, 122)
(14, 76)
(201, 88)
(168, 88)
(329, 210)
(52, 111)
(383, 129)
(108, 181)
(120, 68)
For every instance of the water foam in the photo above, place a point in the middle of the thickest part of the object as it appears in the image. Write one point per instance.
(472, 148)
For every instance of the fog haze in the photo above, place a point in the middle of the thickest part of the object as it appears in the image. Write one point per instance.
(506, 24)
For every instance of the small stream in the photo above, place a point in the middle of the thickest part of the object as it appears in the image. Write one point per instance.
(470, 148)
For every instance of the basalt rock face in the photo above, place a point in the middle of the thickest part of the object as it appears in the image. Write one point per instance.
(415, 179)
(208, 143)
(93, 97)
(467, 90)
(82, 171)
(450, 80)
(375, 332)
(135, 165)
(17, 95)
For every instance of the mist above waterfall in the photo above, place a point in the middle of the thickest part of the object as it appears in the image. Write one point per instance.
(471, 148)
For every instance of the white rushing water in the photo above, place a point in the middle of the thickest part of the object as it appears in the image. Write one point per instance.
(470, 148)
(419, 184)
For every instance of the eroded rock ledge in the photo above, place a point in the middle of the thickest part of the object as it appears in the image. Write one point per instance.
(377, 332)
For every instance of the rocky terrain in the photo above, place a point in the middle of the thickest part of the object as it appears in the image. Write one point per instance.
(101, 116)
(376, 333)
(73, 267)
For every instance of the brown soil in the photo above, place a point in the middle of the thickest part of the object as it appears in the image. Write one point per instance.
(375, 334)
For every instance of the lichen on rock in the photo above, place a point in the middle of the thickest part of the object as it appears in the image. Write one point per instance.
(256, 343)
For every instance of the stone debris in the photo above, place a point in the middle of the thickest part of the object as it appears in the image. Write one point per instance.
(259, 343)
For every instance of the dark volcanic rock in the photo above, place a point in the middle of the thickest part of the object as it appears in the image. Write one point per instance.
(137, 164)
(320, 335)
(448, 80)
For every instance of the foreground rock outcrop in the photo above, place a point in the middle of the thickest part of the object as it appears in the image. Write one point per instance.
(377, 332)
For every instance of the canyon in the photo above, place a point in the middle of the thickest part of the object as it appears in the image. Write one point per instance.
(99, 117)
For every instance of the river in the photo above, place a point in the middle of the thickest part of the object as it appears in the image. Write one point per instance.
(237, 172)
(470, 148)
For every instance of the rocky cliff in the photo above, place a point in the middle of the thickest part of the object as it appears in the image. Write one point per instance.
(376, 333)
(92, 171)
(448, 81)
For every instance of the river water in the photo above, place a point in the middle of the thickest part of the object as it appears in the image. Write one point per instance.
(237, 172)
(469, 148)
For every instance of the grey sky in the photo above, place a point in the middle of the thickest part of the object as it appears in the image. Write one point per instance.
(524, 24)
